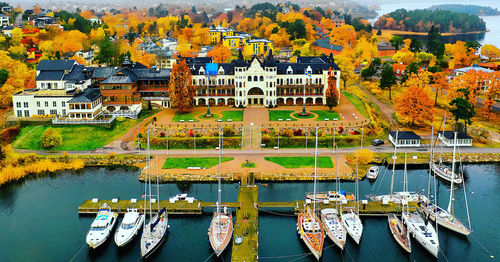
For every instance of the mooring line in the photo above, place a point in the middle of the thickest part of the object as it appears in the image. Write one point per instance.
(77, 252)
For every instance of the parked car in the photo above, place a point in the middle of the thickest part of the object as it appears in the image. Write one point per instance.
(377, 142)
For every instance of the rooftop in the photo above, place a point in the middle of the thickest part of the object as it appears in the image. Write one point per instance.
(55, 65)
(404, 135)
(88, 95)
(473, 67)
(451, 135)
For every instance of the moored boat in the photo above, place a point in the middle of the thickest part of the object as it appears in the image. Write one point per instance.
(445, 173)
(445, 219)
(331, 196)
(399, 197)
(424, 233)
(372, 173)
(101, 227)
(311, 231)
(352, 223)
(333, 226)
(399, 232)
(221, 230)
(130, 226)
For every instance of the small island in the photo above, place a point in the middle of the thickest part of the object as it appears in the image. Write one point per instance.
(421, 20)
(468, 9)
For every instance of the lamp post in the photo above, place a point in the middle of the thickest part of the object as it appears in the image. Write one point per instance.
(304, 101)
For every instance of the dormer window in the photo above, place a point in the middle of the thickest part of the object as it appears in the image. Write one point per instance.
(221, 71)
(202, 71)
(289, 71)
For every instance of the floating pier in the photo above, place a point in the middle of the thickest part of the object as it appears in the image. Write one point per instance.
(246, 228)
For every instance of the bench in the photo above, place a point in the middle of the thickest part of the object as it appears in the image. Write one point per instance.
(276, 148)
(182, 120)
(288, 119)
(327, 119)
(194, 167)
(229, 120)
(191, 120)
(219, 120)
(279, 119)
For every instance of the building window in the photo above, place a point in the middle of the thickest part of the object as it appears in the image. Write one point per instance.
(46, 103)
(19, 113)
(53, 111)
(261, 78)
(64, 111)
(41, 112)
(26, 104)
(55, 85)
(54, 104)
(255, 78)
(18, 104)
(63, 103)
(26, 113)
(38, 103)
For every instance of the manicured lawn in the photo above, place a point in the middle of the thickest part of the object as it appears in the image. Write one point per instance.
(250, 165)
(185, 116)
(234, 115)
(77, 137)
(303, 117)
(202, 162)
(322, 114)
(298, 162)
(357, 102)
(274, 115)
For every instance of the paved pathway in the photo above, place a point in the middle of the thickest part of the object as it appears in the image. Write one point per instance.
(386, 110)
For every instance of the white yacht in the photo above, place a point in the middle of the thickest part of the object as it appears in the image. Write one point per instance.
(352, 223)
(101, 226)
(399, 197)
(445, 219)
(131, 225)
(372, 173)
(333, 226)
(446, 173)
(422, 232)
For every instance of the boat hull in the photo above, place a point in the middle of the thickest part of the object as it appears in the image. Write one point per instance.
(352, 223)
(220, 235)
(399, 233)
(445, 174)
(334, 229)
(152, 241)
(311, 232)
(447, 221)
(107, 217)
(122, 238)
(424, 234)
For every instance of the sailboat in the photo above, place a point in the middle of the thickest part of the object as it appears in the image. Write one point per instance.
(443, 172)
(350, 220)
(399, 232)
(399, 197)
(101, 227)
(155, 231)
(444, 217)
(331, 221)
(308, 225)
(220, 231)
(423, 232)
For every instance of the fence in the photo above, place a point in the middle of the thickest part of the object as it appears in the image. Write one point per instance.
(83, 121)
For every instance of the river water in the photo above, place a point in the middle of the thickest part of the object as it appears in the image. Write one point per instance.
(40, 222)
(492, 22)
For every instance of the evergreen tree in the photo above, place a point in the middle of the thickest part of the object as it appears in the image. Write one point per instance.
(396, 41)
(387, 78)
(434, 44)
(4, 75)
(464, 109)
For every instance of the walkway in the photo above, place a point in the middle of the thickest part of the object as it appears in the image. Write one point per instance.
(385, 109)
(246, 225)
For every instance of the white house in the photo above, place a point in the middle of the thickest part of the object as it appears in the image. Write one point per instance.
(61, 74)
(35, 102)
(4, 20)
(404, 139)
(448, 138)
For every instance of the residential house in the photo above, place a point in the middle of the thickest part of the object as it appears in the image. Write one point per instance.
(218, 33)
(86, 104)
(385, 49)
(324, 46)
(42, 21)
(61, 74)
(4, 20)
(399, 69)
(404, 139)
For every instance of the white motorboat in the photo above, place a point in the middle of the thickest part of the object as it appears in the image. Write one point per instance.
(422, 232)
(220, 230)
(155, 231)
(131, 225)
(101, 226)
(445, 173)
(372, 173)
(331, 196)
(333, 226)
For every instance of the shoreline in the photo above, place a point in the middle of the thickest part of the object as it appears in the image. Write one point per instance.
(397, 32)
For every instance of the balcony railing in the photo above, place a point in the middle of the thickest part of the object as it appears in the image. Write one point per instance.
(216, 95)
(300, 94)
(69, 121)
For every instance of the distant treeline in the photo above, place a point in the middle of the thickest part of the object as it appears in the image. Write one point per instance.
(421, 20)
(468, 9)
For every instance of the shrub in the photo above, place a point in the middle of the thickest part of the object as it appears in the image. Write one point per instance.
(287, 133)
(8, 134)
(112, 155)
(51, 139)
(120, 119)
(228, 131)
(266, 138)
(179, 134)
(162, 134)
(365, 156)
(297, 132)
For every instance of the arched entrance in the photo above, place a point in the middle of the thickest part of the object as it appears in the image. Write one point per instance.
(255, 96)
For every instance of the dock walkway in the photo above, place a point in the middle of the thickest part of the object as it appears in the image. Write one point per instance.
(247, 225)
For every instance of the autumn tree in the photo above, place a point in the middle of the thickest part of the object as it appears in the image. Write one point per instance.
(345, 61)
(414, 106)
(220, 54)
(396, 41)
(440, 84)
(180, 89)
(490, 94)
(490, 51)
(462, 108)
(387, 78)
(331, 94)
(51, 139)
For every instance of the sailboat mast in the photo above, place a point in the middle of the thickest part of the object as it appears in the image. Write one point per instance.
(149, 179)
(315, 170)
(405, 178)
(157, 184)
(444, 124)
(450, 204)
(394, 161)
(337, 186)
(219, 188)
(357, 186)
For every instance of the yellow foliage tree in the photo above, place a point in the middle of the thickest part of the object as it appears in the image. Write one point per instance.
(364, 156)
(490, 51)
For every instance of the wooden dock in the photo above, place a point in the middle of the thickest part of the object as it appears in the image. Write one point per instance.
(247, 225)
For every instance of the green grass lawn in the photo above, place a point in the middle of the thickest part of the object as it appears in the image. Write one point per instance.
(250, 165)
(298, 162)
(77, 137)
(234, 115)
(322, 114)
(274, 115)
(185, 116)
(203, 162)
(357, 102)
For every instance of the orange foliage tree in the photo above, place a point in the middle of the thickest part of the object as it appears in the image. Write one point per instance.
(491, 93)
(181, 89)
(414, 106)
(20, 77)
(461, 54)
(220, 54)
(331, 94)
(440, 84)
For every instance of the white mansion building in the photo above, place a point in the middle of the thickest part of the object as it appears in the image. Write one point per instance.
(68, 89)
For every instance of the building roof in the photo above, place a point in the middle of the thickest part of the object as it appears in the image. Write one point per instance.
(404, 135)
(104, 72)
(325, 43)
(451, 135)
(55, 65)
(123, 76)
(50, 76)
(88, 95)
(77, 74)
(382, 46)
(473, 67)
